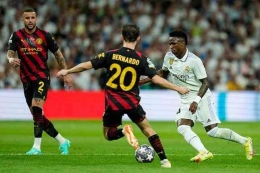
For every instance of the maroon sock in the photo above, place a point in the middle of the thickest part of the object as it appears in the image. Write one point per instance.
(49, 128)
(157, 145)
(114, 134)
(38, 121)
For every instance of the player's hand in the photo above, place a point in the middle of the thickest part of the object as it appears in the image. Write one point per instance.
(15, 62)
(67, 81)
(193, 107)
(62, 73)
(183, 90)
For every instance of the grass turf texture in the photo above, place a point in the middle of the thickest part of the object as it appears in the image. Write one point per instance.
(90, 152)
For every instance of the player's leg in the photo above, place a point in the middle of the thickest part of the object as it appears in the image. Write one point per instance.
(228, 134)
(38, 122)
(185, 121)
(48, 127)
(111, 121)
(138, 117)
(210, 122)
(184, 128)
(64, 143)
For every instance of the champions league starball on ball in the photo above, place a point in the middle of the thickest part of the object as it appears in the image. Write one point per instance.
(144, 154)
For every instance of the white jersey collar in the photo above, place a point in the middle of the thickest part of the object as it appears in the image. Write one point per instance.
(185, 56)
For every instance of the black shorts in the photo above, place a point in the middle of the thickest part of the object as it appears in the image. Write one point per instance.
(36, 89)
(114, 118)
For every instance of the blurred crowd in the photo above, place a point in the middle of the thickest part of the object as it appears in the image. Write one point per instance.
(225, 34)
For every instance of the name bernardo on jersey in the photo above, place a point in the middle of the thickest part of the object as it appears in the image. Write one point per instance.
(125, 59)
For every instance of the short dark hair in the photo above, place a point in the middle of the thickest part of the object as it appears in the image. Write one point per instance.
(28, 9)
(179, 33)
(130, 32)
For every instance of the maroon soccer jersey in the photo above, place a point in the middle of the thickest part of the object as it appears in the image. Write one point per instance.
(124, 68)
(32, 50)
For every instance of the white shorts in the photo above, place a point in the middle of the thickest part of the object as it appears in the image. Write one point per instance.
(206, 112)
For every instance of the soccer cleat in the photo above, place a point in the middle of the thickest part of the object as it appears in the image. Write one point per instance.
(203, 155)
(34, 151)
(64, 148)
(165, 163)
(249, 149)
(128, 131)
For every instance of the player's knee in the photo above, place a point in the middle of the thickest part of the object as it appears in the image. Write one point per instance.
(36, 109)
(183, 128)
(213, 132)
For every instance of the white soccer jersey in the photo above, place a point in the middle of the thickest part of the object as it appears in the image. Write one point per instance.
(185, 72)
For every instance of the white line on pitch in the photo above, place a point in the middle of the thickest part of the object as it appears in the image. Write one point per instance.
(112, 154)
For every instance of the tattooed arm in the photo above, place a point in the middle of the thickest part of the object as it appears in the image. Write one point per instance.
(203, 89)
(11, 58)
(61, 61)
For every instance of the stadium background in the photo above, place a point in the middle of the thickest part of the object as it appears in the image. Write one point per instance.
(225, 34)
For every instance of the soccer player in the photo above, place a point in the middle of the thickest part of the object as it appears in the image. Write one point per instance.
(31, 45)
(187, 70)
(124, 68)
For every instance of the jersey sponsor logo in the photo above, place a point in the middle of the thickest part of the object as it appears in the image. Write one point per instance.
(30, 50)
(39, 41)
(125, 59)
(181, 77)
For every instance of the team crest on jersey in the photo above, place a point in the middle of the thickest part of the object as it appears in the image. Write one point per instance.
(171, 60)
(39, 41)
(187, 69)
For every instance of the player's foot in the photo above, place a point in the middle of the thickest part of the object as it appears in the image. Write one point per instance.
(165, 163)
(203, 155)
(128, 131)
(249, 149)
(34, 151)
(64, 148)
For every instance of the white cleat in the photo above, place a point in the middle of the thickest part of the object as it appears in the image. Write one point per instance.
(166, 163)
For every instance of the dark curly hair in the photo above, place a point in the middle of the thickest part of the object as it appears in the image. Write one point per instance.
(179, 33)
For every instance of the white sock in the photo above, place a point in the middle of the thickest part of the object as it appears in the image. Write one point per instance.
(60, 139)
(37, 143)
(224, 133)
(191, 137)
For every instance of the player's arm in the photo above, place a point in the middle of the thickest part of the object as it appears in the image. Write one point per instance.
(166, 84)
(200, 73)
(78, 68)
(203, 89)
(60, 59)
(12, 47)
(62, 63)
(11, 58)
(162, 73)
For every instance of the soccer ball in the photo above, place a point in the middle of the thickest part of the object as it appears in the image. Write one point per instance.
(144, 154)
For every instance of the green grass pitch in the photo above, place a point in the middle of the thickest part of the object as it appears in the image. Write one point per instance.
(91, 153)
